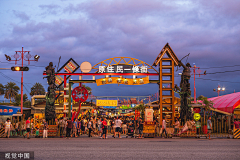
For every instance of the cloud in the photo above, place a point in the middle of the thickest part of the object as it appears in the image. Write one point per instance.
(21, 15)
(50, 9)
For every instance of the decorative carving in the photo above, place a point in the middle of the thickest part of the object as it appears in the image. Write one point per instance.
(184, 92)
(50, 97)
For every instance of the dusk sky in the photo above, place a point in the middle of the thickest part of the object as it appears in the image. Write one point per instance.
(97, 30)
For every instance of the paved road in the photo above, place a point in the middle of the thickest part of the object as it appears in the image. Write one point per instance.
(148, 148)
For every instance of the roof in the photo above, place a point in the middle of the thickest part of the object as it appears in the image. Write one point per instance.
(166, 50)
(226, 103)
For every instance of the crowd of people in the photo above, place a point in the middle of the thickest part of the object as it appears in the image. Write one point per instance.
(96, 126)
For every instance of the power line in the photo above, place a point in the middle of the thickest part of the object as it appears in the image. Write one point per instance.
(217, 80)
(212, 80)
(220, 67)
(224, 72)
(27, 65)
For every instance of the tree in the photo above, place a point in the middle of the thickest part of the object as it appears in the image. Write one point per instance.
(18, 99)
(37, 89)
(88, 88)
(200, 97)
(11, 90)
(141, 108)
(207, 105)
(1, 89)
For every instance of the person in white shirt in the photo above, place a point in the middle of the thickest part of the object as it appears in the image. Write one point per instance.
(118, 124)
(164, 126)
(8, 126)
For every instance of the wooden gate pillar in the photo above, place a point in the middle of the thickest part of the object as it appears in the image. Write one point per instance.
(166, 61)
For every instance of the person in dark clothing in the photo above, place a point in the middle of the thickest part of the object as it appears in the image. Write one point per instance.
(140, 128)
(69, 128)
(89, 128)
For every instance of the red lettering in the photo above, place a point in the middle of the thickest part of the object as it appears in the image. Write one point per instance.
(5, 110)
(10, 110)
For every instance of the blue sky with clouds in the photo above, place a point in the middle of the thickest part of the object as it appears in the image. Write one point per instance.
(97, 30)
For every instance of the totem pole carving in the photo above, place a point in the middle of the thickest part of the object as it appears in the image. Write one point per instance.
(50, 97)
(184, 92)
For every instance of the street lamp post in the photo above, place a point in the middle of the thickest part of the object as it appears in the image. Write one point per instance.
(20, 56)
(219, 89)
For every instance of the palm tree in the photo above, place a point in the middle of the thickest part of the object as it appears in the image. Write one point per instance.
(1, 89)
(37, 89)
(88, 88)
(207, 105)
(11, 90)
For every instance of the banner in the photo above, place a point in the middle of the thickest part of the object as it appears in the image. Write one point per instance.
(148, 115)
(107, 102)
(126, 81)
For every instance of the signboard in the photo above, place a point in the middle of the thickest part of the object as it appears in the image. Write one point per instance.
(196, 109)
(148, 115)
(70, 67)
(137, 114)
(9, 110)
(149, 127)
(107, 102)
(122, 69)
(196, 116)
(125, 81)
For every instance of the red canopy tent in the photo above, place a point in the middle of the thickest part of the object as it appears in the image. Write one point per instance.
(226, 103)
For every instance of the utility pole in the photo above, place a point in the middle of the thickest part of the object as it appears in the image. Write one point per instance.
(19, 55)
(194, 73)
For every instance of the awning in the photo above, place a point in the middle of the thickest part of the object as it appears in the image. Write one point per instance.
(226, 103)
(10, 110)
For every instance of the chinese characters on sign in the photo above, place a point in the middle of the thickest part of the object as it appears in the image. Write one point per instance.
(122, 69)
(149, 115)
(17, 155)
(107, 102)
(6, 110)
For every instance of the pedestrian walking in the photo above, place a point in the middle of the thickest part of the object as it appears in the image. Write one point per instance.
(83, 125)
(8, 127)
(27, 128)
(118, 124)
(124, 126)
(79, 127)
(99, 123)
(89, 126)
(61, 126)
(164, 126)
(209, 127)
(104, 124)
(75, 128)
(69, 128)
(140, 128)
(114, 126)
(94, 124)
(23, 127)
(176, 126)
(45, 129)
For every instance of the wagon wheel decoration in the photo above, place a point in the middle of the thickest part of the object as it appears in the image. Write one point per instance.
(80, 94)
